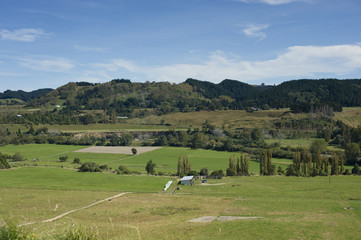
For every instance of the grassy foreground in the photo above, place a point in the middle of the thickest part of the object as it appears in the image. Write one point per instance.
(289, 207)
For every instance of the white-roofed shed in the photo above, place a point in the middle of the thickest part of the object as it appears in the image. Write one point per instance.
(187, 180)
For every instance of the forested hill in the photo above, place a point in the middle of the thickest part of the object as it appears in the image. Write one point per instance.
(124, 97)
(24, 96)
(331, 91)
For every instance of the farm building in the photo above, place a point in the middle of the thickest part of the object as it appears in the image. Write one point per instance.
(187, 180)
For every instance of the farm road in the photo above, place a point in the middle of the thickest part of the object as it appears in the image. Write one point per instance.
(75, 210)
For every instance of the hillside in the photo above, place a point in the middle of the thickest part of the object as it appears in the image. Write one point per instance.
(24, 96)
(123, 96)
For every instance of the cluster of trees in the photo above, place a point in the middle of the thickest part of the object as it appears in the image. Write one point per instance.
(238, 166)
(306, 163)
(24, 96)
(213, 138)
(266, 167)
(5, 159)
(184, 167)
(44, 135)
(4, 164)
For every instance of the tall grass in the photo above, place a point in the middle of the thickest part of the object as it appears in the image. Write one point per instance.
(10, 231)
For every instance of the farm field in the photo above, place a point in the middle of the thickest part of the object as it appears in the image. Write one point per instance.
(349, 115)
(165, 158)
(287, 207)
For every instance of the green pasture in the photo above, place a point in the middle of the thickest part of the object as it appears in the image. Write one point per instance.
(288, 207)
(292, 143)
(67, 179)
(166, 158)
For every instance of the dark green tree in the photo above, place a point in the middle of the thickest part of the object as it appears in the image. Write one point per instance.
(89, 167)
(150, 167)
(352, 153)
(334, 164)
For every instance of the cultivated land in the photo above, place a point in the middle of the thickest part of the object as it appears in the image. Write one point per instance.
(165, 158)
(42, 187)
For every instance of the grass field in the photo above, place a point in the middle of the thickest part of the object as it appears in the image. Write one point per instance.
(350, 116)
(289, 207)
(66, 179)
(166, 158)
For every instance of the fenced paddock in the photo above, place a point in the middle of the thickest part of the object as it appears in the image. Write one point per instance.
(116, 150)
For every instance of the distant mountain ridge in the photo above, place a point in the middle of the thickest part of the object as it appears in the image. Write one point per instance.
(24, 96)
(125, 97)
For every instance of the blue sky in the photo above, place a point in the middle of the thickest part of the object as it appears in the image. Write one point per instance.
(50, 43)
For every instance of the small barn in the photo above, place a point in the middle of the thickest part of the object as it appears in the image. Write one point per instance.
(187, 180)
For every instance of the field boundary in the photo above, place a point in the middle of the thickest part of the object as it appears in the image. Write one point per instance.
(74, 210)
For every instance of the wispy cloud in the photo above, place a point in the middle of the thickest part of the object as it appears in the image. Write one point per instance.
(47, 65)
(256, 30)
(23, 34)
(89, 49)
(273, 2)
(296, 62)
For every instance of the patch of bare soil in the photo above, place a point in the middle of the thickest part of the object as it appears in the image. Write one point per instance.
(220, 218)
(212, 184)
(116, 150)
(204, 219)
(231, 218)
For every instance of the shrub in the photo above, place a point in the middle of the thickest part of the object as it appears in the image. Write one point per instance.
(9, 231)
(203, 172)
(134, 151)
(356, 170)
(18, 157)
(89, 167)
(63, 158)
(3, 162)
(76, 161)
(217, 174)
(123, 170)
(104, 167)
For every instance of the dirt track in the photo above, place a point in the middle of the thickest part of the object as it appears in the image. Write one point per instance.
(75, 210)
(117, 150)
(221, 218)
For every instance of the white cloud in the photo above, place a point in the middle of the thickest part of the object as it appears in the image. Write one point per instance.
(23, 34)
(256, 30)
(296, 62)
(273, 2)
(48, 65)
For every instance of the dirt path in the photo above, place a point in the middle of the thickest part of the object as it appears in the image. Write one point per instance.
(220, 218)
(75, 210)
